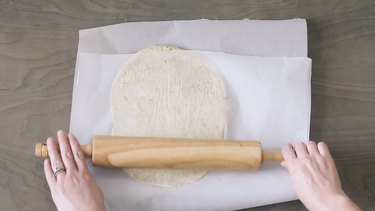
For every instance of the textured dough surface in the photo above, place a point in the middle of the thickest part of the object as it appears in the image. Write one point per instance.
(166, 92)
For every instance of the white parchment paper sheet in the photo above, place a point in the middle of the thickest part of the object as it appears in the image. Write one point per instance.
(219, 190)
(247, 37)
(269, 99)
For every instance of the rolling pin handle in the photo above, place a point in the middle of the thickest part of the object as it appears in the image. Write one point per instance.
(271, 156)
(42, 151)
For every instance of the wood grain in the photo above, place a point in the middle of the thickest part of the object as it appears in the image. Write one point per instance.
(38, 44)
(178, 153)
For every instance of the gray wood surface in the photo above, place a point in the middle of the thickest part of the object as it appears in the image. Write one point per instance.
(38, 43)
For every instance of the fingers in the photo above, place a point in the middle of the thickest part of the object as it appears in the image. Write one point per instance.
(55, 159)
(301, 150)
(312, 148)
(66, 152)
(50, 177)
(77, 153)
(288, 153)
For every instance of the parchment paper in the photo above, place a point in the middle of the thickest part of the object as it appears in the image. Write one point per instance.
(277, 112)
(246, 37)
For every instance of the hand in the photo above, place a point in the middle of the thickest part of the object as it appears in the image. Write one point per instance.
(315, 178)
(72, 188)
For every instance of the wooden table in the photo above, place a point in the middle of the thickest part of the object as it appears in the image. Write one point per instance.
(38, 44)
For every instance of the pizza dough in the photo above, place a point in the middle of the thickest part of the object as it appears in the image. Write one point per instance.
(163, 91)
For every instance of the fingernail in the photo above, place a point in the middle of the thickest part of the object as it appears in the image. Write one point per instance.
(60, 132)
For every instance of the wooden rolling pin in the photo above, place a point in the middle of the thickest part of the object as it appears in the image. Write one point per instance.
(175, 153)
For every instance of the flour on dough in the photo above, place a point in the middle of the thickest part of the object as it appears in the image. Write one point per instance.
(163, 91)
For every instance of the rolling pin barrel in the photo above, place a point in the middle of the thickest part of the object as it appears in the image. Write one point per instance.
(142, 152)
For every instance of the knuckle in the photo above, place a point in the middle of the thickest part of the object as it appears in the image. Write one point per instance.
(320, 160)
(79, 154)
(86, 176)
(67, 155)
(306, 160)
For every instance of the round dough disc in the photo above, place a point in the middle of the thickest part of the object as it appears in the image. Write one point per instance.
(163, 91)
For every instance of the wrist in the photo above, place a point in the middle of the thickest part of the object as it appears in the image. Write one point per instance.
(342, 202)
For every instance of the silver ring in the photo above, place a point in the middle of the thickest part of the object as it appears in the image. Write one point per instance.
(58, 171)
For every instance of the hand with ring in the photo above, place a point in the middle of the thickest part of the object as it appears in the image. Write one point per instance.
(71, 184)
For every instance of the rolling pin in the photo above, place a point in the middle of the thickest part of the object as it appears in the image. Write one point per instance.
(174, 153)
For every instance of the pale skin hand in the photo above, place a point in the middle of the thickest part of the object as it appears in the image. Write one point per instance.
(315, 178)
(311, 168)
(74, 189)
